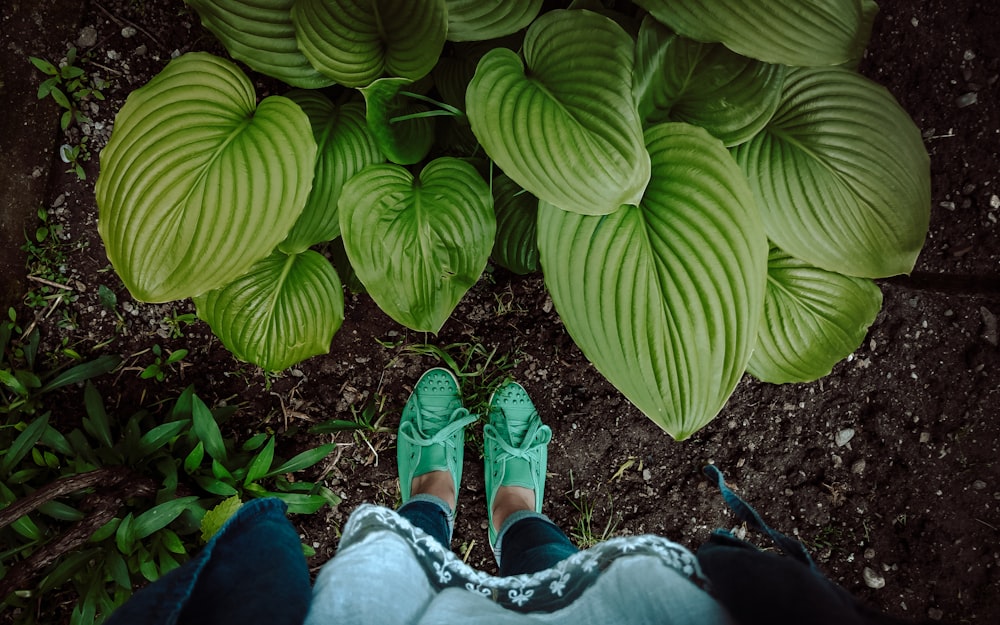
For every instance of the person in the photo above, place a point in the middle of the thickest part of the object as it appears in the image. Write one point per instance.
(396, 566)
(399, 568)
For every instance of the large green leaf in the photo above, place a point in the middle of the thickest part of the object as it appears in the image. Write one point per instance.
(707, 85)
(477, 20)
(285, 310)
(516, 245)
(198, 182)
(790, 32)
(356, 41)
(562, 123)
(261, 34)
(418, 244)
(345, 147)
(812, 320)
(403, 141)
(665, 298)
(842, 175)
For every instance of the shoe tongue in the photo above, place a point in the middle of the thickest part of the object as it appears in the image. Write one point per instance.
(436, 413)
(518, 423)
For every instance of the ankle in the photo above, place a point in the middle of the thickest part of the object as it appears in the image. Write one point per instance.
(511, 499)
(436, 483)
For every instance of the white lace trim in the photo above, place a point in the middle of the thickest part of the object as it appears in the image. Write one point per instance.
(544, 591)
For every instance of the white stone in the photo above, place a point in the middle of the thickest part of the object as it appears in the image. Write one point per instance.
(844, 436)
(873, 579)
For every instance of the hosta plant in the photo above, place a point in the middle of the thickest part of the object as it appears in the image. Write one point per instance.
(706, 185)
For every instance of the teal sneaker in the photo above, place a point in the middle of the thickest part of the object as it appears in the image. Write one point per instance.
(515, 446)
(431, 433)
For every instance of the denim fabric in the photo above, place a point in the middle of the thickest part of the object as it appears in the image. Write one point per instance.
(225, 584)
(529, 543)
(387, 572)
(430, 514)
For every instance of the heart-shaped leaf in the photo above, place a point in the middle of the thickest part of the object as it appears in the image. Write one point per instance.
(286, 309)
(418, 244)
(789, 32)
(403, 141)
(477, 20)
(356, 41)
(812, 320)
(261, 34)
(345, 147)
(842, 175)
(665, 298)
(707, 85)
(563, 123)
(516, 245)
(198, 182)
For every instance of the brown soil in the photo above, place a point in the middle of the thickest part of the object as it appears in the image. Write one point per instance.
(914, 495)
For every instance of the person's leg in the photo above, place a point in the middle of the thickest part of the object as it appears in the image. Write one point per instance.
(430, 514)
(529, 542)
(516, 441)
(429, 453)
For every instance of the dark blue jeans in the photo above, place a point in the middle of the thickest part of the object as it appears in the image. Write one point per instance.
(252, 571)
(530, 544)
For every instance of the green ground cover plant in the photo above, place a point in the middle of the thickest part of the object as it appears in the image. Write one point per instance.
(706, 189)
(99, 508)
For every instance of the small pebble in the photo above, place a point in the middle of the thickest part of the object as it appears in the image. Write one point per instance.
(869, 554)
(979, 485)
(947, 205)
(967, 99)
(994, 201)
(129, 32)
(935, 614)
(873, 579)
(87, 38)
(858, 467)
(969, 55)
(925, 437)
(844, 436)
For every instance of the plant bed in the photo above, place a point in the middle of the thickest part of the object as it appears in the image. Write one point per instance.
(886, 468)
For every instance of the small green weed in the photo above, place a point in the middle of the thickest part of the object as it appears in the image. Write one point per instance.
(586, 533)
(366, 419)
(364, 423)
(47, 259)
(163, 365)
(827, 537)
(176, 323)
(70, 87)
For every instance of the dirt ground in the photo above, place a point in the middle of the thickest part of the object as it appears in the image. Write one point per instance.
(887, 469)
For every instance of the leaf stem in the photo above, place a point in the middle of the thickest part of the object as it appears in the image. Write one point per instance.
(416, 96)
(403, 118)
